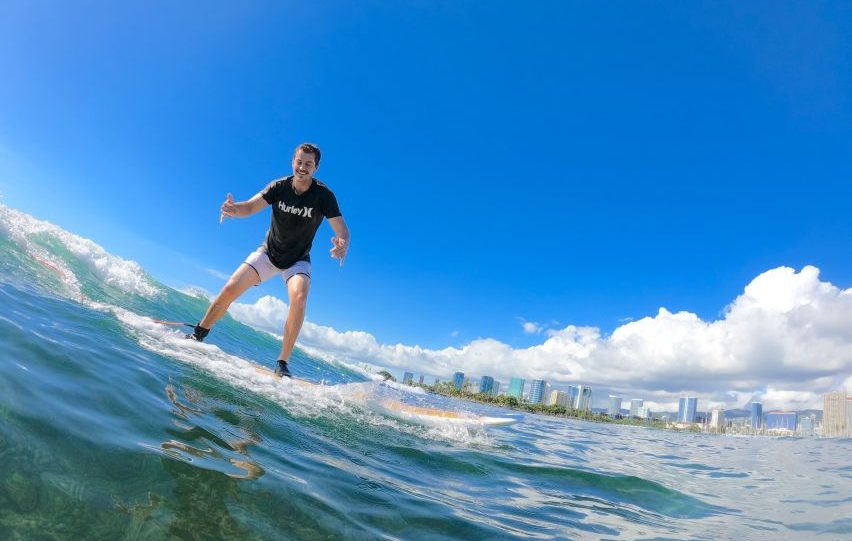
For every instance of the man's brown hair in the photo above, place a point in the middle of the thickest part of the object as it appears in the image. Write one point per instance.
(310, 149)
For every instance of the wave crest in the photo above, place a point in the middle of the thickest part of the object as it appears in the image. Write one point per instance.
(125, 275)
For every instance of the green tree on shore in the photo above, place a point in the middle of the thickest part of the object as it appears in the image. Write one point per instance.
(448, 388)
(387, 375)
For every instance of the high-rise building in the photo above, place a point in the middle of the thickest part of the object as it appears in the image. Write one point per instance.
(780, 421)
(458, 380)
(537, 391)
(849, 416)
(407, 377)
(551, 397)
(471, 385)
(635, 404)
(717, 419)
(495, 390)
(516, 388)
(486, 384)
(573, 392)
(421, 379)
(806, 426)
(834, 414)
(558, 398)
(687, 405)
(614, 407)
(756, 415)
(584, 398)
(643, 413)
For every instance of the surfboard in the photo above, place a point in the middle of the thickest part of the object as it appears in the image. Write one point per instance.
(395, 408)
(416, 414)
(421, 415)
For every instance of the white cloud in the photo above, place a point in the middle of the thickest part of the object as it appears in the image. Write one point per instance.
(267, 314)
(217, 274)
(776, 399)
(534, 327)
(530, 327)
(787, 338)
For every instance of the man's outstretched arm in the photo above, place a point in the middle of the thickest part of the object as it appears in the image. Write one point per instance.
(243, 209)
(340, 242)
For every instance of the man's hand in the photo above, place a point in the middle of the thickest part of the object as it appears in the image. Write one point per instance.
(339, 248)
(229, 209)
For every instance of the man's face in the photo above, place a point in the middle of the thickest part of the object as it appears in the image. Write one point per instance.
(304, 165)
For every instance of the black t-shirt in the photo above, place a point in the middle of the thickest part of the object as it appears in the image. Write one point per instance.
(295, 219)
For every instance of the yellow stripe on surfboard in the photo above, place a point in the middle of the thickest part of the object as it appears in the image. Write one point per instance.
(402, 407)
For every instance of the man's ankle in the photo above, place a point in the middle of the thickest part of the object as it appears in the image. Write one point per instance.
(199, 333)
(282, 369)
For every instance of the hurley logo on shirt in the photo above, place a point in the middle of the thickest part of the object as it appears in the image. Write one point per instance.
(304, 212)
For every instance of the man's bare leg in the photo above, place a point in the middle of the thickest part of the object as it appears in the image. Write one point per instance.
(297, 288)
(243, 278)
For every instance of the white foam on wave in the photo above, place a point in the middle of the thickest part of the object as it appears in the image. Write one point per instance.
(334, 360)
(226, 367)
(339, 361)
(405, 388)
(353, 400)
(114, 271)
(197, 292)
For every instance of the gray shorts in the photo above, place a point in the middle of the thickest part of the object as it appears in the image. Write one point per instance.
(259, 261)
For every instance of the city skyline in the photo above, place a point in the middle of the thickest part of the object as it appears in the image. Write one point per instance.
(688, 407)
(603, 401)
(836, 422)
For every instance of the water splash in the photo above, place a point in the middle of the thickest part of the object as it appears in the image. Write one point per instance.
(39, 238)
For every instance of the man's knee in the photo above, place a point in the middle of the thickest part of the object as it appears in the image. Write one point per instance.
(298, 292)
(299, 299)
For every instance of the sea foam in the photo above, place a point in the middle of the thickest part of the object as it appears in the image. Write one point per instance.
(359, 402)
(112, 270)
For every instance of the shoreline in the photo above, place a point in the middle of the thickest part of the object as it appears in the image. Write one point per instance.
(447, 389)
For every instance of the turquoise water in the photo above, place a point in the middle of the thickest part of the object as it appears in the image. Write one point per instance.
(113, 427)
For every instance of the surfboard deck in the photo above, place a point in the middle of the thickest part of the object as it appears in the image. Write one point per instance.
(417, 414)
(395, 408)
(271, 373)
(421, 414)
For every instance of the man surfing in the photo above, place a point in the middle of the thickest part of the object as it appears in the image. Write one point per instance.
(299, 203)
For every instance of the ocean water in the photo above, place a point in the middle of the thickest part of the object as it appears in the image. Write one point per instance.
(114, 427)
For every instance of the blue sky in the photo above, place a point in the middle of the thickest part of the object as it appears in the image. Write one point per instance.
(558, 163)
